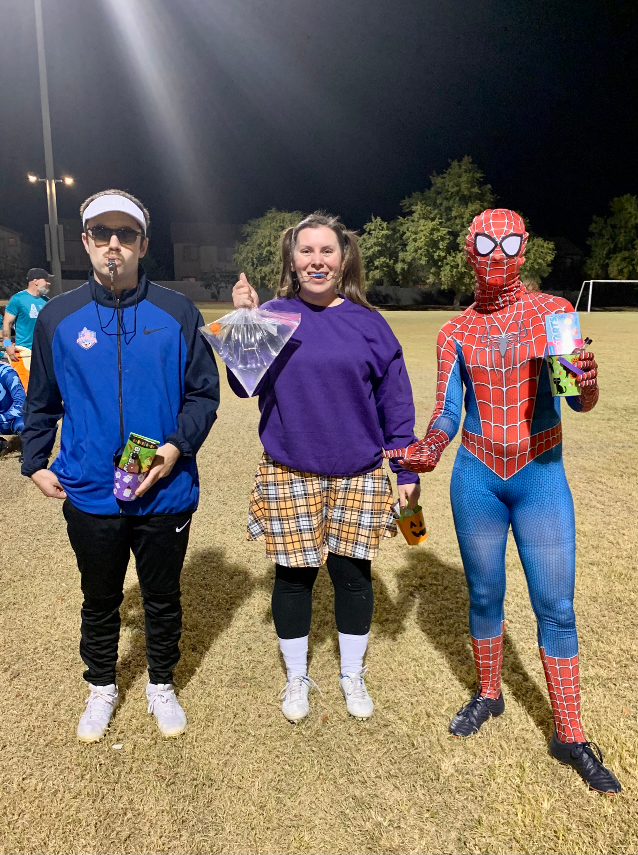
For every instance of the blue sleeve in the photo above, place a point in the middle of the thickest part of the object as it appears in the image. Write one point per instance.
(11, 419)
(395, 409)
(201, 388)
(43, 408)
(13, 306)
(449, 407)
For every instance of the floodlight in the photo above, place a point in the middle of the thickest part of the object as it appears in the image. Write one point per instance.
(32, 178)
(67, 180)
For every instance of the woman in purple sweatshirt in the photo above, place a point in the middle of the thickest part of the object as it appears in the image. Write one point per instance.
(336, 395)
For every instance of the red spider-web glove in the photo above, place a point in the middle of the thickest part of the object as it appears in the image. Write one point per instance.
(588, 364)
(588, 382)
(424, 455)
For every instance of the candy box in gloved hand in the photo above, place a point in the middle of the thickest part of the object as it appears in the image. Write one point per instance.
(564, 348)
(135, 461)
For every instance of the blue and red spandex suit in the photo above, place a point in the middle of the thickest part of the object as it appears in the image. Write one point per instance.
(509, 469)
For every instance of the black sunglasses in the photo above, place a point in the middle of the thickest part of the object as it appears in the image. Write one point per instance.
(102, 235)
(510, 244)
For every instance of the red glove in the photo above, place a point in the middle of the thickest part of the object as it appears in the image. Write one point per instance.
(588, 364)
(421, 456)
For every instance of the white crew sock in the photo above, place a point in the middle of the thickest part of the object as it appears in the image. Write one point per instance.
(295, 653)
(352, 649)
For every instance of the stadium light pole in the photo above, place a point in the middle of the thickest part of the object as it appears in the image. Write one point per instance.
(54, 234)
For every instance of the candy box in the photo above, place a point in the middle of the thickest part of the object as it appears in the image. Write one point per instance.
(563, 333)
(137, 458)
(564, 348)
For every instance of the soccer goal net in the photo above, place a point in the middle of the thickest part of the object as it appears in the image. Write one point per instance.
(611, 293)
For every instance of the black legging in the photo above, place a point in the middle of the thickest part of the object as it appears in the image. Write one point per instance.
(292, 596)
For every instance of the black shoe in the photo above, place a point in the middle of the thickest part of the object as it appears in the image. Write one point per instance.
(475, 713)
(582, 756)
(3, 444)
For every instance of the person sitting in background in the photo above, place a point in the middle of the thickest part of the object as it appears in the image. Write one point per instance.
(11, 401)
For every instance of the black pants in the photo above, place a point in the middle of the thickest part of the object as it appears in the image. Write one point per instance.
(102, 545)
(292, 596)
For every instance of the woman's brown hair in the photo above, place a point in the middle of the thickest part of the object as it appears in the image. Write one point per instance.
(352, 281)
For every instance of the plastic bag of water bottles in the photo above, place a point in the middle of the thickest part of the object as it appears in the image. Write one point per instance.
(249, 340)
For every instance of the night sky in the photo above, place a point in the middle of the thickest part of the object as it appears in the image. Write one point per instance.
(220, 109)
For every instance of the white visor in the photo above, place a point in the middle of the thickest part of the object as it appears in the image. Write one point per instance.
(114, 202)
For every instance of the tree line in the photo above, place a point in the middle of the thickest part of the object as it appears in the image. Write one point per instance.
(424, 247)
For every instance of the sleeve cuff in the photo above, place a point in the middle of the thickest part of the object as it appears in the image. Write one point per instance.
(407, 477)
(180, 444)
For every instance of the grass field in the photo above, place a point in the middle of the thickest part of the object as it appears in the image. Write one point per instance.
(242, 780)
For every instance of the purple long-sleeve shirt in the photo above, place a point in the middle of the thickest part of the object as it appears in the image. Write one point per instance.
(337, 393)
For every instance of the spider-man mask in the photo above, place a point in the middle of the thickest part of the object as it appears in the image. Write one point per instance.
(495, 247)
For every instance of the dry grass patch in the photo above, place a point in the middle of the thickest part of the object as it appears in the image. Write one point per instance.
(243, 780)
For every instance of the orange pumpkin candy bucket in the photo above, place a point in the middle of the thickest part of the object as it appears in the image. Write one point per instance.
(412, 525)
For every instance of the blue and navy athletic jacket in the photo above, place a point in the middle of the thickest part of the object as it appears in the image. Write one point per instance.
(151, 373)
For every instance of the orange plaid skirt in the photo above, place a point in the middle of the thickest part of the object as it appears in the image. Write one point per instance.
(303, 516)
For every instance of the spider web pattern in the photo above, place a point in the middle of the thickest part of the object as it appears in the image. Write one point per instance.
(563, 684)
(488, 656)
(503, 354)
(496, 275)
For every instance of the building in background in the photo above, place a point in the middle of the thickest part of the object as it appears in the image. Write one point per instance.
(13, 247)
(75, 264)
(203, 250)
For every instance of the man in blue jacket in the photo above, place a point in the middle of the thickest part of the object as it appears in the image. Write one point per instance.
(120, 355)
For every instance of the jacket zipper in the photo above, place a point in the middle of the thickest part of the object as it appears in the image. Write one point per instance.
(119, 374)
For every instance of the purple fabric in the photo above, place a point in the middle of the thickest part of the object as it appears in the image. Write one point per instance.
(337, 393)
(125, 485)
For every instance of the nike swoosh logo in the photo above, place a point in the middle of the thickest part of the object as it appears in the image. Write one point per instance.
(148, 332)
(184, 526)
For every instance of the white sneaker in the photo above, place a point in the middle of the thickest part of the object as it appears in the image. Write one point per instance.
(163, 703)
(294, 695)
(358, 701)
(95, 719)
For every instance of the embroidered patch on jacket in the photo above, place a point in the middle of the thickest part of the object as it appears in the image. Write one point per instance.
(87, 338)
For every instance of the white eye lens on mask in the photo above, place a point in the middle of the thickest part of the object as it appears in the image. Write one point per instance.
(484, 244)
(511, 244)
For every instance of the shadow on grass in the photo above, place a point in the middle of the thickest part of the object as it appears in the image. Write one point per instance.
(213, 588)
(439, 591)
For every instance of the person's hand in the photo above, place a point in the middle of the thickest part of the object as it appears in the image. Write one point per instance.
(409, 495)
(244, 295)
(420, 457)
(588, 364)
(12, 353)
(47, 482)
(165, 458)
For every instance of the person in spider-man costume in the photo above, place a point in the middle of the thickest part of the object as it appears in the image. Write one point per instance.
(509, 472)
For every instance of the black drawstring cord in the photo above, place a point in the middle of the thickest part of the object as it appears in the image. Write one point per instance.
(104, 328)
